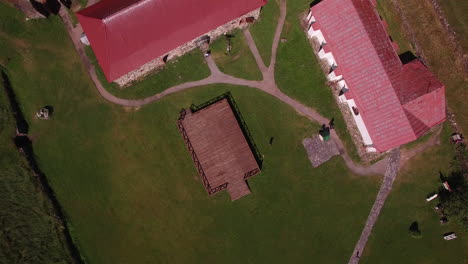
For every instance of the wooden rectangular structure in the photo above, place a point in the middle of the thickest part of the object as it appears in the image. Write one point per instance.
(219, 148)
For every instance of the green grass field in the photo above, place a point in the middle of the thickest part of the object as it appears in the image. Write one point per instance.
(132, 195)
(30, 233)
(131, 192)
(263, 30)
(240, 62)
(390, 241)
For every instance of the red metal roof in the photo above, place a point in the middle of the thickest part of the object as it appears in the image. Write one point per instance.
(125, 34)
(378, 82)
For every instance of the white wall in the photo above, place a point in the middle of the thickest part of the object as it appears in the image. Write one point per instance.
(328, 56)
(360, 123)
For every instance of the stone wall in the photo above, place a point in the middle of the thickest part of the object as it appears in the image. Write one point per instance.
(158, 63)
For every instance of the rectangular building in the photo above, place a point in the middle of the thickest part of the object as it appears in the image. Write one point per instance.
(219, 149)
(392, 103)
(133, 37)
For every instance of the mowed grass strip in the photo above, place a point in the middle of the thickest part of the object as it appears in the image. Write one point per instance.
(299, 75)
(263, 31)
(131, 191)
(391, 241)
(240, 62)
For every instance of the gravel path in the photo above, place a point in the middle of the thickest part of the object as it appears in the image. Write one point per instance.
(267, 85)
(385, 188)
(388, 167)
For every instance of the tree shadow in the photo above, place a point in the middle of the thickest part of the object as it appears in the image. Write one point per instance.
(314, 3)
(23, 143)
(49, 7)
(40, 8)
(21, 124)
(53, 6)
(414, 226)
(442, 177)
(50, 109)
(456, 180)
(66, 3)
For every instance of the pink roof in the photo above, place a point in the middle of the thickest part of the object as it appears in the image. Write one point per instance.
(378, 82)
(125, 34)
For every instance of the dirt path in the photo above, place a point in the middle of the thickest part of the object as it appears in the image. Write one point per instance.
(385, 188)
(267, 85)
(387, 167)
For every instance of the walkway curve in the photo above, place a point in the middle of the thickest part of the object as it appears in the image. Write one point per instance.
(388, 167)
(267, 85)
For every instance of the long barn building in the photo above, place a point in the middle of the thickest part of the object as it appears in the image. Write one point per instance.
(392, 103)
(131, 38)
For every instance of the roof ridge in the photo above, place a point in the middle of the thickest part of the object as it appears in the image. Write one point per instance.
(124, 9)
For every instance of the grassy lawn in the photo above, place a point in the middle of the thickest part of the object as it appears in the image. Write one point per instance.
(298, 73)
(390, 241)
(131, 192)
(175, 72)
(130, 179)
(395, 28)
(30, 234)
(456, 12)
(29, 231)
(240, 62)
(424, 138)
(263, 31)
(431, 37)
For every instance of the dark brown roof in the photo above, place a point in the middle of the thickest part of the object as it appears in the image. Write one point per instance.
(219, 149)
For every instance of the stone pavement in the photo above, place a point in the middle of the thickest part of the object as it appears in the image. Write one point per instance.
(385, 188)
(319, 151)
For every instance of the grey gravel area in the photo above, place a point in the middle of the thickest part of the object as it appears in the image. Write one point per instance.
(319, 151)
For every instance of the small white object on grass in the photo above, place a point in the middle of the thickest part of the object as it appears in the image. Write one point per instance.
(432, 197)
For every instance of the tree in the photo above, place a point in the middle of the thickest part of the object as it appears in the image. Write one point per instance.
(414, 230)
(455, 205)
